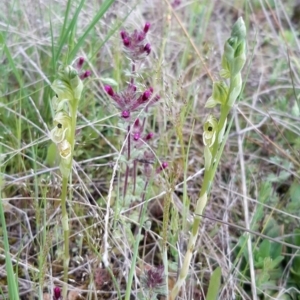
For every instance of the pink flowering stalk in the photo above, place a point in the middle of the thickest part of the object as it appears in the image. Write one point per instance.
(131, 103)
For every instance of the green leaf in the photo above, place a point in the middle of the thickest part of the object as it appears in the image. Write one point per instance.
(214, 285)
(295, 192)
(104, 7)
(264, 249)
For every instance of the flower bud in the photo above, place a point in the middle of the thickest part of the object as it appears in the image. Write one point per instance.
(109, 90)
(237, 87)
(85, 75)
(126, 42)
(123, 34)
(68, 84)
(239, 29)
(57, 293)
(149, 136)
(80, 63)
(219, 94)
(136, 136)
(125, 114)
(147, 48)
(147, 27)
(146, 95)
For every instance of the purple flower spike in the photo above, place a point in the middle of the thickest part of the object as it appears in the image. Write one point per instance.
(80, 63)
(85, 75)
(136, 136)
(108, 89)
(146, 27)
(57, 293)
(125, 114)
(147, 48)
(149, 136)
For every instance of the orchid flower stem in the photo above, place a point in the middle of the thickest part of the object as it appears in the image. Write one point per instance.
(66, 234)
(65, 218)
(233, 60)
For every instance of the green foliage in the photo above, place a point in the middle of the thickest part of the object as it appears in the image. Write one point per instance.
(214, 284)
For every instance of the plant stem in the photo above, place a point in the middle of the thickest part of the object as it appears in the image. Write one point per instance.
(66, 229)
(136, 245)
(201, 203)
(65, 218)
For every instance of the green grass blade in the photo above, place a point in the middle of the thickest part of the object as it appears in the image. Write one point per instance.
(11, 60)
(104, 7)
(69, 30)
(12, 284)
(214, 285)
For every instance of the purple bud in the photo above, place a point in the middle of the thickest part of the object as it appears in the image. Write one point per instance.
(123, 34)
(57, 293)
(109, 90)
(147, 48)
(137, 123)
(136, 136)
(141, 36)
(132, 87)
(85, 75)
(146, 95)
(125, 114)
(151, 89)
(80, 62)
(163, 166)
(146, 27)
(126, 42)
(149, 136)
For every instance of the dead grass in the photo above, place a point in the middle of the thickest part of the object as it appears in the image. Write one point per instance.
(263, 147)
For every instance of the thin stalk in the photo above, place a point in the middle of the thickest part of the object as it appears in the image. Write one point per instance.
(136, 245)
(201, 203)
(127, 166)
(65, 218)
(66, 230)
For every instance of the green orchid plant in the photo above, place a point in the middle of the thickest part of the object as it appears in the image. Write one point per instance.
(225, 93)
(68, 88)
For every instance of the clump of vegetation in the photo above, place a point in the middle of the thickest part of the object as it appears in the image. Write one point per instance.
(168, 170)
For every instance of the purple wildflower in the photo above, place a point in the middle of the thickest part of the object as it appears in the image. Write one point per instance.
(134, 42)
(146, 27)
(80, 63)
(163, 166)
(149, 136)
(130, 100)
(136, 136)
(85, 75)
(154, 277)
(108, 89)
(125, 114)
